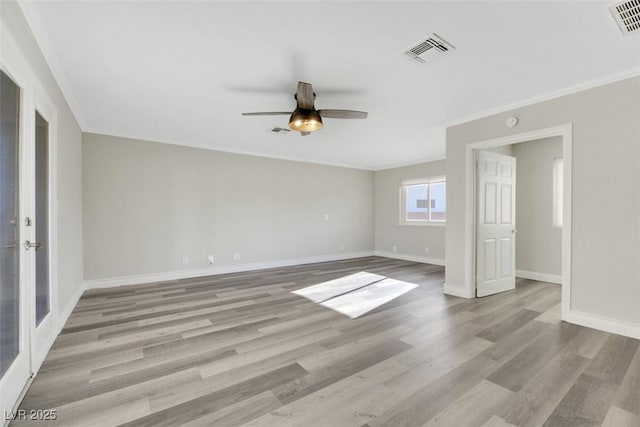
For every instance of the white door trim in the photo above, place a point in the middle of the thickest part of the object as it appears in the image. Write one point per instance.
(566, 132)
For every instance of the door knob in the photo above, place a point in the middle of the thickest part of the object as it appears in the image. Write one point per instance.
(28, 244)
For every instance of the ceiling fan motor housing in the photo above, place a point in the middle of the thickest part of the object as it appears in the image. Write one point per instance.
(305, 120)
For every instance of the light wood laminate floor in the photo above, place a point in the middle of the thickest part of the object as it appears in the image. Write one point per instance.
(241, 349)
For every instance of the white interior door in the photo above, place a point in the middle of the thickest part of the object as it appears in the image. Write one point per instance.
(495, 223)
(15, 344)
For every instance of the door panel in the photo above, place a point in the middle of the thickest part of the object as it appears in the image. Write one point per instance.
(505, 204)
(495, 249)
(43, 289)
(490, 203)
(43, 318)
(490, 259)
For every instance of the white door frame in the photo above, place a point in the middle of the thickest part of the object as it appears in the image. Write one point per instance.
(33, 97)
(564, 131)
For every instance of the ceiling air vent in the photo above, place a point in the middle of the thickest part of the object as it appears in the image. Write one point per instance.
(429, 49)
(627, 15)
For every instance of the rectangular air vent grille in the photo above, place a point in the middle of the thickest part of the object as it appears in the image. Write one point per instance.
(627, 15)
(429, 49)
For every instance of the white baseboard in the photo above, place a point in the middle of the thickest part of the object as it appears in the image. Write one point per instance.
(457, 291)
(212, 271)
(607, 324)
(63, 315)
(413, 258)
(542, 277)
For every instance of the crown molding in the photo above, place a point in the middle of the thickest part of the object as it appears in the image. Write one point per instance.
(46, 47)
(590, 84)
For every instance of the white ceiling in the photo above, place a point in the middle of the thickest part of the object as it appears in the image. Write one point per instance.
(182, 72)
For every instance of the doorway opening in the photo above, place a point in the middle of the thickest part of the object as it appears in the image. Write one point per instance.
(492, 245)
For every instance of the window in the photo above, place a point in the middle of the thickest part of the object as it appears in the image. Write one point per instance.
(423, 201)
(558, 187)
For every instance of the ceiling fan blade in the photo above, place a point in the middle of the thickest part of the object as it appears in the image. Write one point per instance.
(343, 114)
(268, 113)
(305, 133)
(304, 95)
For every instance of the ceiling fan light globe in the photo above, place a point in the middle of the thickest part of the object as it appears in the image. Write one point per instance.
(303, 120)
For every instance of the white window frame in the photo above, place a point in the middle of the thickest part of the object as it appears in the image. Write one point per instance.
(402, 212)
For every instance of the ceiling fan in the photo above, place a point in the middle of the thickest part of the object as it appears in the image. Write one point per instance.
(305, 118)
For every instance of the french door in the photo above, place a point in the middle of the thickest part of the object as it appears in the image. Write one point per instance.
(27, 316)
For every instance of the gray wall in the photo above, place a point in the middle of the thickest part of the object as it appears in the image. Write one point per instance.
(69, 225)
(538, 242)
(606, 161)
(410, 240)
(148, 205)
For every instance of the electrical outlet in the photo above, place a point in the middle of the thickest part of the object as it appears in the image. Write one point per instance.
(185, 260)
(342, 246)
(326, 217)
(236, 257)
(426, 250)
(210, 259)
(395, 249)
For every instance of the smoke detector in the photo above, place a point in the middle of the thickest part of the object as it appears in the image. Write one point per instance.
(627, 15)
(429, 49)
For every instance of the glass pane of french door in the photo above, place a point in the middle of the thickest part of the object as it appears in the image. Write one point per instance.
(42, 219)
(9, 227)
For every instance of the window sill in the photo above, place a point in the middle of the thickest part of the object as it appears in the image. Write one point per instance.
(424, 224)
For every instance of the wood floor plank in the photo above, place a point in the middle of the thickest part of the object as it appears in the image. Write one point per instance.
(628, 395)
(496, 421)
(350, 364)
(507, 326)
(617, 417)
(437, 362)
(613, 360)
(585, 404)
(473, 408)
(239, 349)
(183, 393)
(104, 403)
(514, 374)
(217, 400)
(543, 392)
(588, 401)
(552, 315)
(430, 400)
(238, 413)
(214, 368)
(352, 401)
